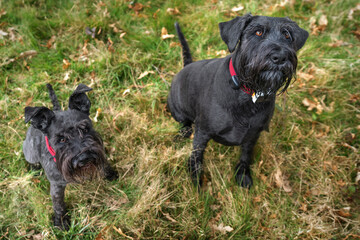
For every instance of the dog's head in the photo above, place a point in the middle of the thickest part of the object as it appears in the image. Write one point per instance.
(264, 50)
(79, 150)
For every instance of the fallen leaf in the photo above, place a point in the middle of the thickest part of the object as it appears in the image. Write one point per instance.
(11, 31)
(357, 179)
(98, 111)
(303, 207)
(122, 34)
(28, 101)
(66, 64)
(257, 199)
(136, 7)
(2, 12)
(174, 44)
(165, 35)
(67, 76)
(221, 53)
(173, 11)
(305, 76)
(145, 74)
(3, 34)
(126, 92)
(313, 105)
(281, 181)
(50, 42)
(223, 229)
(342, 183)
(352, 10)
(344, 212)
(238, 8)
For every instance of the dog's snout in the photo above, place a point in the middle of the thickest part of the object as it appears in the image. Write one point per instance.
(81, 160)
(278, 58)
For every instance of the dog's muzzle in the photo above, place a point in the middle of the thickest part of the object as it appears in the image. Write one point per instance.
(82, 159)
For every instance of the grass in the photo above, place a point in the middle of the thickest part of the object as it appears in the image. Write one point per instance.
(314, 152)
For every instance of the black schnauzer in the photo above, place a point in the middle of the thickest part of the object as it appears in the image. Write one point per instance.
(66, 146)
(232, 99)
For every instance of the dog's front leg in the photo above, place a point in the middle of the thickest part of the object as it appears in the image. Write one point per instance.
(195, 161)
(61, 219)
(242, 171)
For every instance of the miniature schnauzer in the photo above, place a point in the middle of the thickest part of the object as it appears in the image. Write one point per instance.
(67, 147)
(231, 99)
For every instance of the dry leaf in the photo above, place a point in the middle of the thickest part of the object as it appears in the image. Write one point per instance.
(28, 101)
(222, 229)
(320, 27)
(305, 76)
(257, 199)
(238, 8)
(67, 76)
(98, 111)
(136, 7)
(281, 181)
(2, 12)
(344, 212)
(50, 42)
(313, 105)
(351, 12)
(173, 11)
(66, 64)
(357, 179)
(145, 74)
(3, 34)
(165, 35)
(303, 207)
(174, 44)
(221, 53)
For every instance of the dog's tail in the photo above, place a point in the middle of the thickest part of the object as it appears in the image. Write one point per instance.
(53, 97)
(185, 47)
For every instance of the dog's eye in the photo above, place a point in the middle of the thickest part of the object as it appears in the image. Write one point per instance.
(259, 33)
(62, 140)
(287, 35)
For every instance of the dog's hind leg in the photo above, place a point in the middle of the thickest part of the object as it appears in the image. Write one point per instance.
(242, 170)
(61, 219)
(195, 161)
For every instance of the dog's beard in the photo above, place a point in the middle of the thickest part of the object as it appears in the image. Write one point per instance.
(260, 74)
(92, 170)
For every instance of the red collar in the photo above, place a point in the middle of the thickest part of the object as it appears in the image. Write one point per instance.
(235, 80)
(50, 149)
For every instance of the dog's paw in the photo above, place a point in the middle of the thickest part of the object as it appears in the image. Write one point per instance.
(243, 177)
(34, 167)
(111, 174)
(62, 222)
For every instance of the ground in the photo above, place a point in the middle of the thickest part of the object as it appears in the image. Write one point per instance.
(306, 170)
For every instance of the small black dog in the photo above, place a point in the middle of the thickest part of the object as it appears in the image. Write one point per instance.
(66, 146)
(232, 99)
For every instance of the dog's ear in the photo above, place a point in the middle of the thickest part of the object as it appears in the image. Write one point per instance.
(231, 31)
(79, 100)
(300, 35)
(40, 117)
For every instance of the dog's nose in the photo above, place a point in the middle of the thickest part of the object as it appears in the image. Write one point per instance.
(81, 160)
(278, 58)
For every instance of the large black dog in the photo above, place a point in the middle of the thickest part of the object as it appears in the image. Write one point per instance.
(66, 146)
(231, 100)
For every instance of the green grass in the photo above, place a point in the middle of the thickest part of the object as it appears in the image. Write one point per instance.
(317, 153)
